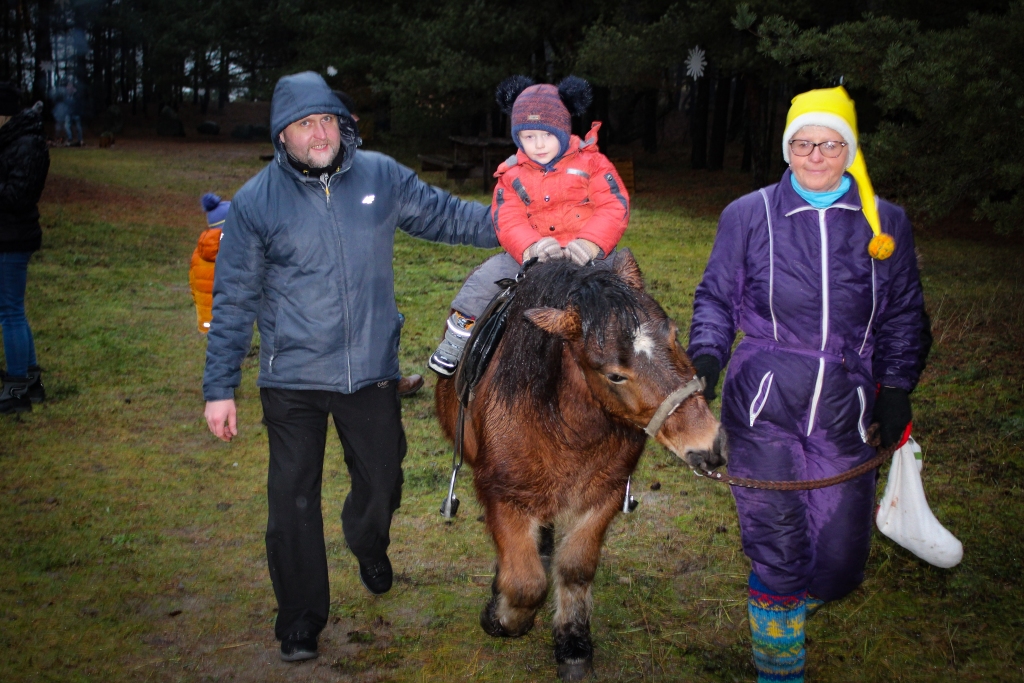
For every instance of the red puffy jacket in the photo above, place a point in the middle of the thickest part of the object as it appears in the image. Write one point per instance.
(582, 197)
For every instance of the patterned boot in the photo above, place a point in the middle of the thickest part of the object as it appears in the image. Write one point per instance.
(777, 633)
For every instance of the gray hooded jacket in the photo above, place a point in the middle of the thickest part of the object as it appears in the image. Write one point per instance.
(310, 259)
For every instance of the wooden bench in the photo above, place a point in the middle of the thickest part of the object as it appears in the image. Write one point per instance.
(453, 170)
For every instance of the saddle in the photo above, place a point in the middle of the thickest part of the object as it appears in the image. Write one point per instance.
(486, 335)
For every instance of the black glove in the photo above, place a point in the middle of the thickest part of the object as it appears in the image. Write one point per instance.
(708, 368)
(892, 413)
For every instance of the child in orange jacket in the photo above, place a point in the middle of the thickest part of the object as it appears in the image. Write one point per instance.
(558, 197)
(200, 272)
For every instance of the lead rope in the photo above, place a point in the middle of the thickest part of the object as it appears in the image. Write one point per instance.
(810, 484)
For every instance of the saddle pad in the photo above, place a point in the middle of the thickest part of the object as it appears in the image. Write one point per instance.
(483, 341)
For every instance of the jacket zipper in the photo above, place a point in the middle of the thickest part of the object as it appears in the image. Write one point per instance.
(822, 228)
(325, 182)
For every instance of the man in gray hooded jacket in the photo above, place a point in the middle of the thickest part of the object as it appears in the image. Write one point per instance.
(307, 253)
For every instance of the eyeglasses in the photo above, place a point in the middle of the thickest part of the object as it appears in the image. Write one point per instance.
(829, 148)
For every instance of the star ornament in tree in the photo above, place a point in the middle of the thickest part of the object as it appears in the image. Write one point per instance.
(695, 63)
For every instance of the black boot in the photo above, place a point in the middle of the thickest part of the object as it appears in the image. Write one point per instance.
(36, 392)
(14, 398)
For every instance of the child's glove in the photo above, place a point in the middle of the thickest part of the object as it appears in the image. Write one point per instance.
(545, 249)
(582, 251)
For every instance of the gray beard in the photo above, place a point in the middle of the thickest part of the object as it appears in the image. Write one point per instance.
(305, 156)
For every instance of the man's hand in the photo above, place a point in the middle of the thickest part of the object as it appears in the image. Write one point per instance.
(545, 249)
(582, 251)
(220, 416)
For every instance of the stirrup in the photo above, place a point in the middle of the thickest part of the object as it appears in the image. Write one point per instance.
(629, 503)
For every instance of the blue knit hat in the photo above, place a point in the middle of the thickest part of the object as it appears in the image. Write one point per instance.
(216, 209)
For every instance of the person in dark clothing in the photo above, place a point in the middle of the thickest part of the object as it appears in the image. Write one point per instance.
(307, 252)
(24, 163)
(72, 115)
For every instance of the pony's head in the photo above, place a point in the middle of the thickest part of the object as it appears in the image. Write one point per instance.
(623, 344)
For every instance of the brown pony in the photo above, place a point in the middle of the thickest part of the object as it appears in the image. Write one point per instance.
(556, 427)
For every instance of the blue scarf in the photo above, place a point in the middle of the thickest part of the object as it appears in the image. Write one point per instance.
(821, 200)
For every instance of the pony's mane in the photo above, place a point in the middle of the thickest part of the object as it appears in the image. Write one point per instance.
(530, 361)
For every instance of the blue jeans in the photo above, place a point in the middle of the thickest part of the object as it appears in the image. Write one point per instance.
(19, 348)
(70, 119)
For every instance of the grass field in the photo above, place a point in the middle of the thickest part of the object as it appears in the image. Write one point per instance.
(131, 540)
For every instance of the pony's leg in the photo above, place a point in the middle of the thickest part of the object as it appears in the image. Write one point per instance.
(520, 585)
(575, 565)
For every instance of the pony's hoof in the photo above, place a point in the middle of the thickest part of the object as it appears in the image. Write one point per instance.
(493, 627)
(575, 671)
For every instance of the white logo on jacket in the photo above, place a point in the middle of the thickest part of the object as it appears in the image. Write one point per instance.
(368, 199)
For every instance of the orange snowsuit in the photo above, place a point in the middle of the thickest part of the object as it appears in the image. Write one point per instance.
(200, 276)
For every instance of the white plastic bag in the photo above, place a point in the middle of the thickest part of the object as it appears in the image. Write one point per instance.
(904, 515)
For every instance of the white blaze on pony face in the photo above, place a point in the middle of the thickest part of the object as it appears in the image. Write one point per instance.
(644, 342)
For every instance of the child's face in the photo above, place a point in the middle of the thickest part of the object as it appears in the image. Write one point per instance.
(540, 145)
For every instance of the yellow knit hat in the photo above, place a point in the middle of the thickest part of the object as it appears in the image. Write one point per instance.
(833, 108)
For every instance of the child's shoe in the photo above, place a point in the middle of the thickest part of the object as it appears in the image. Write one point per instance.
(446, 357)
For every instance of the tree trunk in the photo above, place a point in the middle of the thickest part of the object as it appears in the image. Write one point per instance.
(224, 86)
(600, 112)
(763, 106)
(44, 51)
(146, 79)
(719, 124)
(650, 120)
(699, 124)
(737, 112)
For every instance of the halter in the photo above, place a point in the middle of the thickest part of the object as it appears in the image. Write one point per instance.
(671, 402)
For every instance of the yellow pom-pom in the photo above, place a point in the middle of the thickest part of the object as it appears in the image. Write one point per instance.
(881, 246)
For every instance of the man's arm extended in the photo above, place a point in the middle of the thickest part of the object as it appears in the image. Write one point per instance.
(432, 214)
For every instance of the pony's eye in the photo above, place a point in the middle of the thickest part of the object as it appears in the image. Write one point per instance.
(616, 378)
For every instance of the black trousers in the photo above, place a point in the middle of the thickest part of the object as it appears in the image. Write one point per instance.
(369, 423)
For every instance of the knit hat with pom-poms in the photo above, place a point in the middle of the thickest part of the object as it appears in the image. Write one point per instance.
(543, 107)
(216, 209)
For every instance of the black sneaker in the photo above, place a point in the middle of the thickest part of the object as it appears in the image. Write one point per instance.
(376, 577)
(14, 396)
(298, 647)
(36, 392)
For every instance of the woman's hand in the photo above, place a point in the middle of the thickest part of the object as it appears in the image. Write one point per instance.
(708, 368)
(893, 415)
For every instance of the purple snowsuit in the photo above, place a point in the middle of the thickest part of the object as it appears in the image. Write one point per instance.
(825, 324)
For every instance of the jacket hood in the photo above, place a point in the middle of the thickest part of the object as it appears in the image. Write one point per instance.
(27, 122)
(299, 95)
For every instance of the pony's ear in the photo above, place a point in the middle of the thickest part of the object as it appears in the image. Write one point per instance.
(565, 324)
(626, 268)
(508, 90)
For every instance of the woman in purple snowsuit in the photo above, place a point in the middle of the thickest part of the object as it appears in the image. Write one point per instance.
(827, 327)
